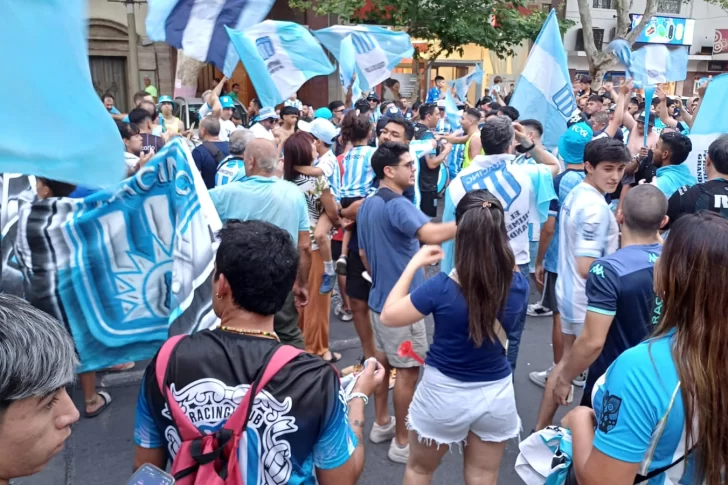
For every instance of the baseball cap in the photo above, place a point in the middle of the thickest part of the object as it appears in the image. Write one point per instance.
(573, 142)
(323, 113)
(650, 121)
(267, 114)
(320, 128)
(373, 96)
(576, 117)
(392, 111)
(166, 99)
(227, 102)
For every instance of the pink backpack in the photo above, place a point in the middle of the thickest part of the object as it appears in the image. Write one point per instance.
(213, 459)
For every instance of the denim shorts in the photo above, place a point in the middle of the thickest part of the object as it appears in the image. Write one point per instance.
(444, 410)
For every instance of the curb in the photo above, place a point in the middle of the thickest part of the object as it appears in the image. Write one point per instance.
(133, 377)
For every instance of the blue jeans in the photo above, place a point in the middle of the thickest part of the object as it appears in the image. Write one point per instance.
(514, 337)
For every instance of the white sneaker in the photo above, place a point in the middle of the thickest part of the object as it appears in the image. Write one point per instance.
(539, 378)
(538, 310)
(380, 434)
(398, 454)
(580, 379)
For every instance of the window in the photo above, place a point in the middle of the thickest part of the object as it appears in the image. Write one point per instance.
(608, 4)
(669, 6)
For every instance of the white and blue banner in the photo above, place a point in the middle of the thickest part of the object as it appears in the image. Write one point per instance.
(198, 26)
(652, 64)
(462, 84)
(78, 142)
(451, 111)
(377, 51)
(544, 90)
(125, 267)
(279, 57)
(710, 123)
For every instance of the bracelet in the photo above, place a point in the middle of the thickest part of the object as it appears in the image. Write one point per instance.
(530, 148)
(361, 395)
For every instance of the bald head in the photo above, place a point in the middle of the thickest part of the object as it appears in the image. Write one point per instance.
(644, 208)
(262, 156)
(211, 127)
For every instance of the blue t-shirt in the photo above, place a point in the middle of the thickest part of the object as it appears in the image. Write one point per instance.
(621, 285)
(433, 95)
(563, 184)
(267, 199)
(452, 352)
(671, 177)
(387, 224)
(640, 414)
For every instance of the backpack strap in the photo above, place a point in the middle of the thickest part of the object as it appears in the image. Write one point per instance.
(282, 356)
(654, 473)
(216, 154)
(187, 430)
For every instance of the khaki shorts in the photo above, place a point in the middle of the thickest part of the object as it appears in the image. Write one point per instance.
(388, 339)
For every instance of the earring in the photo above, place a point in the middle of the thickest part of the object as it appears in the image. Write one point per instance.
(218, 296)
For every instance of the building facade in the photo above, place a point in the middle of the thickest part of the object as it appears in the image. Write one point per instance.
(698, 23)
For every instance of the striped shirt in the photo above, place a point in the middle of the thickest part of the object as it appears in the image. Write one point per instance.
(330, 166)
(358, 173)
(587, 229)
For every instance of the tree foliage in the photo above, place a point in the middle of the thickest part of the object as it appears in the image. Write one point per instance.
(446, 25)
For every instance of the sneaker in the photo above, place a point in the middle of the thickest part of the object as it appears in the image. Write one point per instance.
(398, 454)
(366, 276)
(380, 434)
(539, 378)
(327, 284)
(537, 310)
(345, 315)
(580, 379)
(341, 265)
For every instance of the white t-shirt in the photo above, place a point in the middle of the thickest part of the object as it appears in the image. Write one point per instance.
(261, 131)
(226, 129)
(587, 228)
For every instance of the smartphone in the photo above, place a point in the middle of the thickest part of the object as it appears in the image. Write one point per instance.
(570, 397)
(150, 475)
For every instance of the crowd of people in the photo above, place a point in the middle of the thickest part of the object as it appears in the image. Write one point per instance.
(622, 242)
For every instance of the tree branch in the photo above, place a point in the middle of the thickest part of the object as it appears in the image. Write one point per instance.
(586, 27)
(650, 9)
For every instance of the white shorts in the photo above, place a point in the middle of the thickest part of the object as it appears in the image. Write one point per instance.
(445, 410)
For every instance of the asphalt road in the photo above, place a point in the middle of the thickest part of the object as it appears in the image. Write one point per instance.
(101, 450)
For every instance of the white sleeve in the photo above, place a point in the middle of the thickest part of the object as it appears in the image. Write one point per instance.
(205, 110)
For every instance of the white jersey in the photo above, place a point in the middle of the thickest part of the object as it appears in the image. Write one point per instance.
(587, 228)
(524, 190)
(226, 129)
(260, 131)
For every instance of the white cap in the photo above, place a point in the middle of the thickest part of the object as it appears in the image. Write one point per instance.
(320, 128)
(267, 114)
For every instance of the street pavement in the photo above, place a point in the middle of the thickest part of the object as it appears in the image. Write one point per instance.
(101, 450)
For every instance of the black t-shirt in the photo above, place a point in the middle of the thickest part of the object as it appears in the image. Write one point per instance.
(150, 141)
(206, 163)
(711, 196)
(298, 420)
(428, 176)
(646, 170)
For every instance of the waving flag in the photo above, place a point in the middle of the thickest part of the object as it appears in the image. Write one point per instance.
(347, 68)
(376, 51)
(652, 64)
(198, 26)
(279, 57)
(710, 123)
(126, 267)
(462, 85)
(451, 111)
(544, 91)
(81, 144)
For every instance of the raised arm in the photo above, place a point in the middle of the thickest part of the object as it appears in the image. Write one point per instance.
(537, 152)
(665, 117)
(619, 111)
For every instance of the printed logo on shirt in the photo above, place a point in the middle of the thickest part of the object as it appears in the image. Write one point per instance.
(721, 202)
(589, 231)
(209, 403)
(503, 181)
(611, 405)
(653, 258)
(657, 311)
(598, 270)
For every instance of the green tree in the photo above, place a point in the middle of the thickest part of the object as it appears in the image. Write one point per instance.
(446, 25)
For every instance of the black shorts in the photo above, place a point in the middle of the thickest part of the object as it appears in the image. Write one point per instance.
(428, 203)
(548, 298)
(336, 249)
(347, 201)
(356, 286)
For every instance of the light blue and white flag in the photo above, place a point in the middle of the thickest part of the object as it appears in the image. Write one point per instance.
(377, 51)
(79, 142)
(279, 57)
(652, 64)
(649, 96)
(126, 267)
(451, 111)
(710, 123)
(544, 91)
(347, 68)
(462, 84)
(198, 26)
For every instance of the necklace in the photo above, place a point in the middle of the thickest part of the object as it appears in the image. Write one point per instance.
(242, 331)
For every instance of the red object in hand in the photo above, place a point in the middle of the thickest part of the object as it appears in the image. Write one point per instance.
(405, 350)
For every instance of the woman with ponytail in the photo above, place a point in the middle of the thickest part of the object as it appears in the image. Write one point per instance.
(466, 394)
(661, 410)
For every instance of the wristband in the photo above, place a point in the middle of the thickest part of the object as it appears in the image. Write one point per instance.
(529, 148)
(359, 395)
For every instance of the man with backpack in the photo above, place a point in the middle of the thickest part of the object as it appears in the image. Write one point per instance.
(211, 152)
(233, 405)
